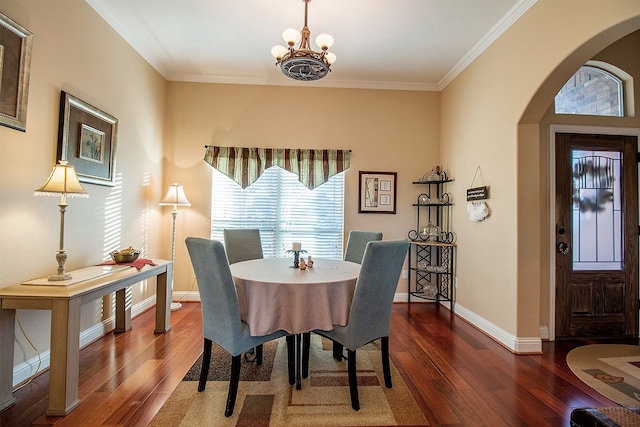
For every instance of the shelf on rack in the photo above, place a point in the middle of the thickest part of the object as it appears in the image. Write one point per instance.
(433, 204)
(424, 295)
(430, 243)
(432, 262)
(442, 181)
(423, 271)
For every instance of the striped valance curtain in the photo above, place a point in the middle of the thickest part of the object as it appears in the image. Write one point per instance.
(245, 165)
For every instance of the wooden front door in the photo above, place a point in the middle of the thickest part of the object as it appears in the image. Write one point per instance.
(596, 235)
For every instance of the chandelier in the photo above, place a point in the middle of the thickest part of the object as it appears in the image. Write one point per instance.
(303, 63)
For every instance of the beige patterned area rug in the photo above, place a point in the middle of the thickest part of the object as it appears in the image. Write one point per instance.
(613, 370)
(265, 397)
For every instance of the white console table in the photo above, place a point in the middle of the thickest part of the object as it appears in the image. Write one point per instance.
(65, 299)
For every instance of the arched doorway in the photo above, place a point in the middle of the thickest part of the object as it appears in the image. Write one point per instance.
(535, 125)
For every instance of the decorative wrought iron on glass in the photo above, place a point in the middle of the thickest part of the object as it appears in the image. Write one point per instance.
(597, 210)
(304, 63)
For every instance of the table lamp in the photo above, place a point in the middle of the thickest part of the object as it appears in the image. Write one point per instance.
(63, 181)
(175, 197)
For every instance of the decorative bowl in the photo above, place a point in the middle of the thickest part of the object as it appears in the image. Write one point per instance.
(125, 256)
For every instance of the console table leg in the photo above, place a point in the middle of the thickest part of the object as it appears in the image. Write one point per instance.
(65, 356)
(163, 301)
(123, 310)
(7, 330)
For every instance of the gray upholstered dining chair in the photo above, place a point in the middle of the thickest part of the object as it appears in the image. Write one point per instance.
(356, 243)
(370, 314)
(221, 321)
(242, 244)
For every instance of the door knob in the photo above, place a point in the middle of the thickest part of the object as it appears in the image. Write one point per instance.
(563, 248)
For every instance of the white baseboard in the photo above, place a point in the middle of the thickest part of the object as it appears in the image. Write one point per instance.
(23, 371)
(518, 345)
(544, 332)
(186, 296)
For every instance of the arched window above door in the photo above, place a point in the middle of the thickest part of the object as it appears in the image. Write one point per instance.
(596, 89)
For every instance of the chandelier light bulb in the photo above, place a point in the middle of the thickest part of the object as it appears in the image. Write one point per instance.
(279, 51)
(324, 41)
(331, 57)
(291, 36)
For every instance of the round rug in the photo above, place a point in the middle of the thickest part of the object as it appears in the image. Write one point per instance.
(613, 370)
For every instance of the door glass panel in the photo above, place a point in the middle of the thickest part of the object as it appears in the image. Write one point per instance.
(597, 210)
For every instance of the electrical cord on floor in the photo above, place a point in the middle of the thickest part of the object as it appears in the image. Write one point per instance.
(38, 352)
(193, 285)
(35, 349)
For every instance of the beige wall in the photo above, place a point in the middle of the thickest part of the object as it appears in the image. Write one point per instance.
(76, 51)
(389, 131)
(490, 117)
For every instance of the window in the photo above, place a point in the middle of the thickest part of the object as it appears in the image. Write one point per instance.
(284, 210)
(597, 211)
(591, 91)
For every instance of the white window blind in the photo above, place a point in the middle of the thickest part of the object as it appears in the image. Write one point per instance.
(284, 210)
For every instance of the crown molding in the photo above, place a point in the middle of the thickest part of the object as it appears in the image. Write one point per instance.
(487, 40)
(519, 9)
(324, 83)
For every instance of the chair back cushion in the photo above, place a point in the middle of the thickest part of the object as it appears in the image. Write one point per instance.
(219, 302)
(357, 242)
(370, 315)
(242, 244)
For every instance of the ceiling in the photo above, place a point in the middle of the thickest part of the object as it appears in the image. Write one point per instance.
(380, 44)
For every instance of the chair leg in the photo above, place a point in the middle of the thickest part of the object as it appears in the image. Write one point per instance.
(353, 379)
(291, 347)
(386, 368)
(233, 385)
(306, 344)
(206, 361)
(337, 351)
(259, 352)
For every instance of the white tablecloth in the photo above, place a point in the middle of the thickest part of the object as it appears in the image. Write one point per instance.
(273, 296)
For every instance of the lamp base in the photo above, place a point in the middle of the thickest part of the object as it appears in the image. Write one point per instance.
(175, 306)
(61, 255)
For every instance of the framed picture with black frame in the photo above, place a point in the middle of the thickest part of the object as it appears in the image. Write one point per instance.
(377, 192)
(87, 140)
(15, 62)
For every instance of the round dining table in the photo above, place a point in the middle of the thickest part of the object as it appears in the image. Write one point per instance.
(273, 296)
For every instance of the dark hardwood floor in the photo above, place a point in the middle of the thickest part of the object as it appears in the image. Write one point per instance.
(459, 376)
